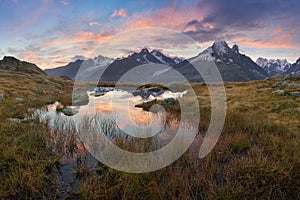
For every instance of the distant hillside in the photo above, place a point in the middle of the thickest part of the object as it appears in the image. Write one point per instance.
(13, 64)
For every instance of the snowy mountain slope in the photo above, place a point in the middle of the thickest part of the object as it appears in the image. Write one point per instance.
(232, 65)
(295, 68)
(274, 66)
(89, 66)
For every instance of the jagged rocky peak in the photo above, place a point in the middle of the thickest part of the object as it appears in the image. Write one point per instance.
(221, 47)
(145, 50)
(220, 52)
(235, 48)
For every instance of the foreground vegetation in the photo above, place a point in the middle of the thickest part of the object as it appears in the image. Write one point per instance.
(257, 155)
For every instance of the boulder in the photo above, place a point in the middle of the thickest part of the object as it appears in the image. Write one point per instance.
(169, 101)
(286, 84)
(69, 111)
(295, 94)
(147, 105)
(294, 85)
(281, 84)
(80, 99)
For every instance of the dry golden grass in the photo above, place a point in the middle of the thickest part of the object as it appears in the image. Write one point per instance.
(257, 155)
(24, 91)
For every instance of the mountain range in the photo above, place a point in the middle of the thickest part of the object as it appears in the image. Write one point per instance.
(232, 65)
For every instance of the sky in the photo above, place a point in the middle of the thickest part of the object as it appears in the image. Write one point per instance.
(52, 33)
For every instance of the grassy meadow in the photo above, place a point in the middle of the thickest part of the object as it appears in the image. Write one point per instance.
(256, 157)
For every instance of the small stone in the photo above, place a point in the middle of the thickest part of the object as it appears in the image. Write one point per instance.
(43, 79)
(19, 99)
(1, 97)
(265, 89)
(280, 92)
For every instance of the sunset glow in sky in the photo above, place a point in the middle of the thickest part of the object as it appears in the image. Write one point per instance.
(52, 33)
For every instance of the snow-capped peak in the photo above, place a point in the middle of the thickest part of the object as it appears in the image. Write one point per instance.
(100, 59)
(218, 52)
(96, 62)
(262, 62)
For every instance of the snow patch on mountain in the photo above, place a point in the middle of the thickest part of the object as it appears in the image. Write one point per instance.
(206, 55)
(177, 60)
(145, 58)
(166, 60)
(158, 56)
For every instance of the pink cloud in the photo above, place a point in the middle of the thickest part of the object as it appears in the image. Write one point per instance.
(170, 17)
(119, 13)
(79, 37)
(277, 39)
(65, 2)
(178, 18)
(93, 24)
